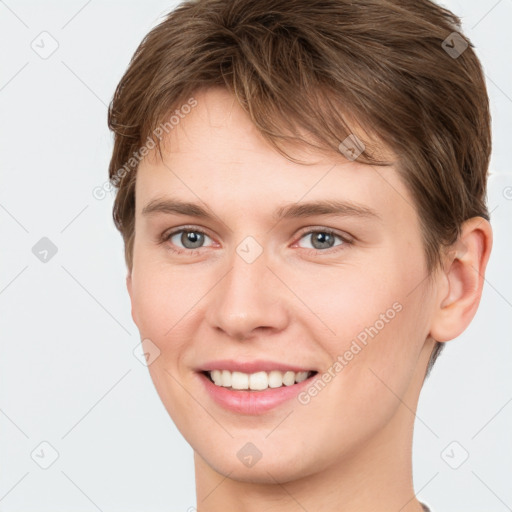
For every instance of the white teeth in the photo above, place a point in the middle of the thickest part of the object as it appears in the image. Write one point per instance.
(239, 380)
(226, 378)
(300, 376)
(275, 379)
(289, 378)
(216, 376)
(258, 381)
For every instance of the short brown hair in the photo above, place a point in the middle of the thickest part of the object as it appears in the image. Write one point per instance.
(311, 65)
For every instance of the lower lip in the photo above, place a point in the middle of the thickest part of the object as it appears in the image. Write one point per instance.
(252, 402)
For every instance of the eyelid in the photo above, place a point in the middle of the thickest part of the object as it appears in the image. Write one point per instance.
(173, 231)
(324, 229)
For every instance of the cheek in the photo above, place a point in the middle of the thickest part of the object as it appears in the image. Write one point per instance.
(164, 302)
(158, 300)
(372, 363)
(169, 303)
(378, 322)
(351, 302)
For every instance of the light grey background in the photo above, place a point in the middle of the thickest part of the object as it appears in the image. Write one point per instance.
(68, 374)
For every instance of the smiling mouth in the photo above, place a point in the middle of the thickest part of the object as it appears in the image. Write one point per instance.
(259, 381)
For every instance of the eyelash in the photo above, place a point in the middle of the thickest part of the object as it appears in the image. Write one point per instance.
(166, 236)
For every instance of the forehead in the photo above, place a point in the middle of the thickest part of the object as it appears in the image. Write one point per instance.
(216, 155)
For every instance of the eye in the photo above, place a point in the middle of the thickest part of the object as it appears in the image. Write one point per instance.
(322, 239)
(190, 239)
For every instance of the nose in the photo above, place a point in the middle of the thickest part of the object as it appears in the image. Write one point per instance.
(249, 300)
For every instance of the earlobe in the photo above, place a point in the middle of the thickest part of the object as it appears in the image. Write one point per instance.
(462, 280)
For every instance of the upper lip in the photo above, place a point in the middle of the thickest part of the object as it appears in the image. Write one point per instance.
(250, 366)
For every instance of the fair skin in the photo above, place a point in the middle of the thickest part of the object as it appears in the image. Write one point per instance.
(349, 447)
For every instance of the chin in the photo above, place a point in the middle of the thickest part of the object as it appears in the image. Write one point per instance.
(275, 465)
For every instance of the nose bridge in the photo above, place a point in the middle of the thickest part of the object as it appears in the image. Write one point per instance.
(249, 297)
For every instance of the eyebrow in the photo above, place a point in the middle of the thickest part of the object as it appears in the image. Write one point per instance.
(290, 211)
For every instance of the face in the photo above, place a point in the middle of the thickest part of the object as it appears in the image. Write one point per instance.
(266, 284)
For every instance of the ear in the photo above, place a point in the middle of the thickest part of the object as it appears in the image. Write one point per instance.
(462, 280)
(130, 293)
